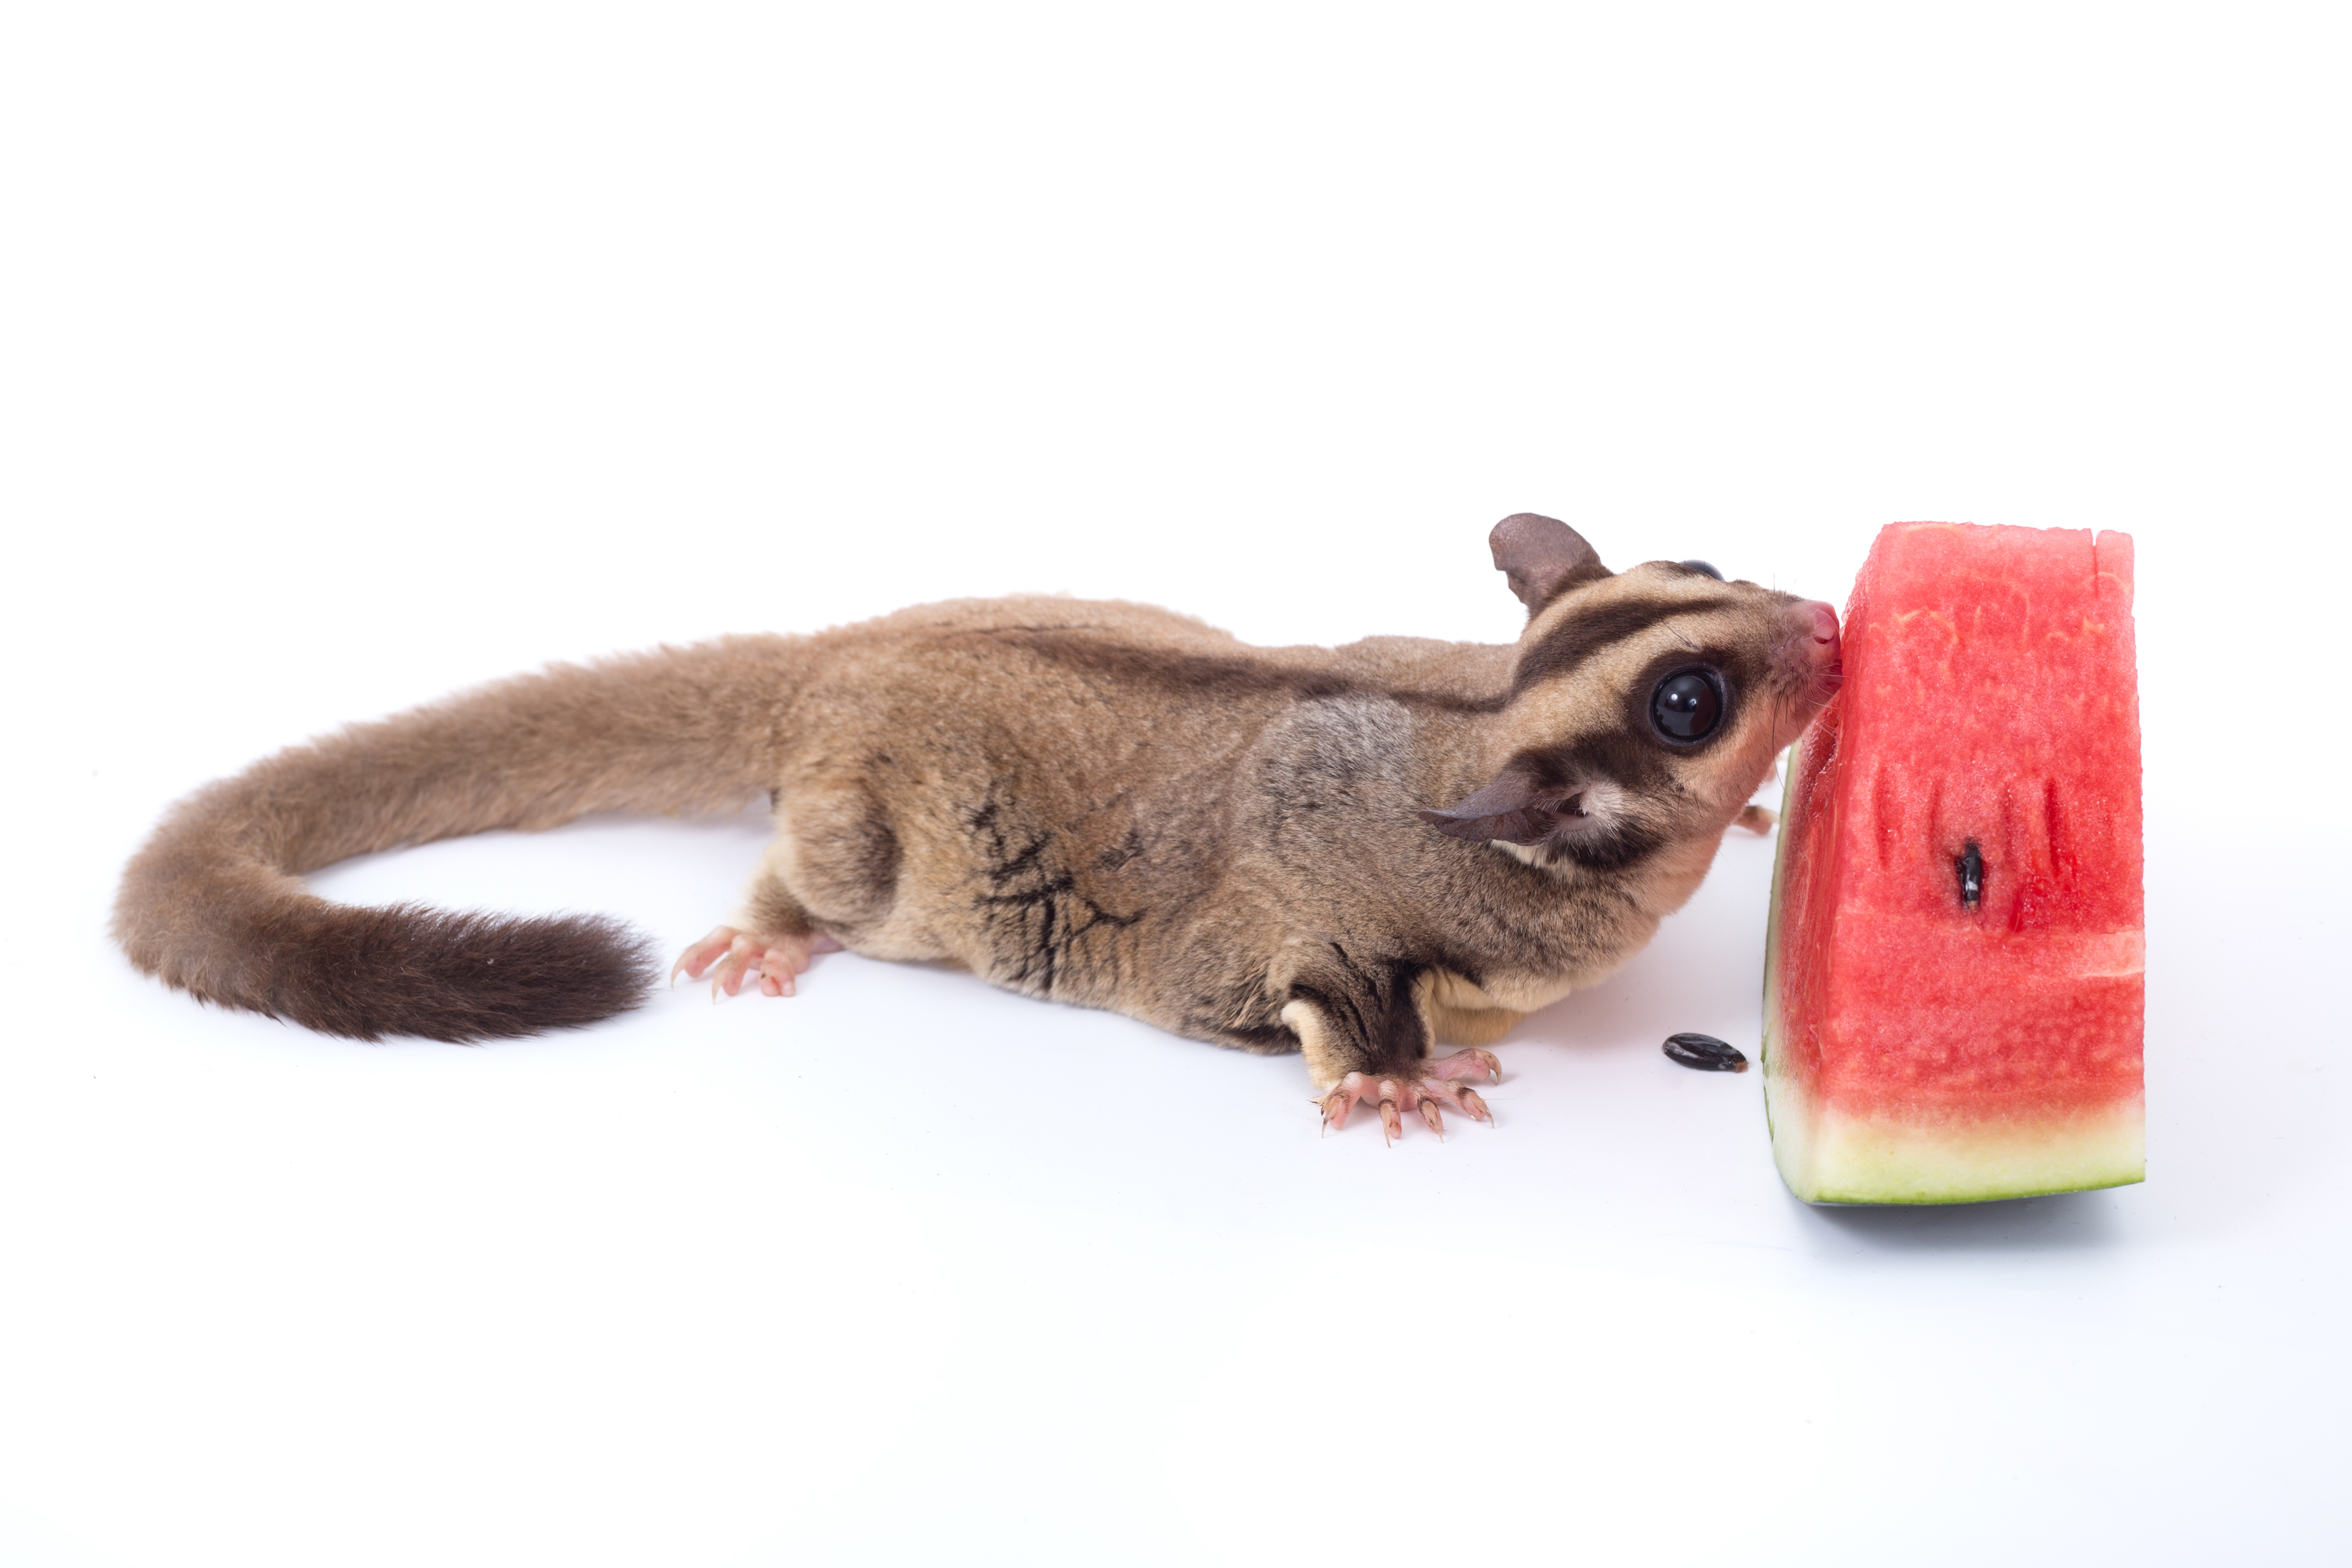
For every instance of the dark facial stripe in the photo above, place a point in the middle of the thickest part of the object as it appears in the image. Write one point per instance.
(1584, 637)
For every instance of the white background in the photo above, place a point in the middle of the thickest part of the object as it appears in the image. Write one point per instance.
(348, 357)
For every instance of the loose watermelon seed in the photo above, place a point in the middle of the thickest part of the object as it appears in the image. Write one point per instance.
(1704, 1053)
(1970, 866)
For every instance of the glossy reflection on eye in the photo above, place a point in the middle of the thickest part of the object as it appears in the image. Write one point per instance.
(1686, 707)
(1702, 566)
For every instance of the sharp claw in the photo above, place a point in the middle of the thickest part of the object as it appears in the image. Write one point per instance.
(697, 953)
(1394, 1096)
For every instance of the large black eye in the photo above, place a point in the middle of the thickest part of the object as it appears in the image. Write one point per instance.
(1686, 706)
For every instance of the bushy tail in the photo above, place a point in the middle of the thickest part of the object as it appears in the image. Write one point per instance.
(215, 903)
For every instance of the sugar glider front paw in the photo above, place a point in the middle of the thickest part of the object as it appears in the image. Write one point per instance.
(734, 957)
(1396, 1092)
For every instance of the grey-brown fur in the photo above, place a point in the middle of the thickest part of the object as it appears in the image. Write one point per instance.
(1357, 851)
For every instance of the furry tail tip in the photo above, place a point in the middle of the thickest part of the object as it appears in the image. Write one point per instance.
(408, 969)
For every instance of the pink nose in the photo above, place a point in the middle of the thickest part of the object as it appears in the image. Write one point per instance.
(1824, 635)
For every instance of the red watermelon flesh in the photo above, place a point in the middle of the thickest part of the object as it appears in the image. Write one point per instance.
(1922, 1045)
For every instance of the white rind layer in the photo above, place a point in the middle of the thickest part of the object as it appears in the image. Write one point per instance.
(1833, 1157)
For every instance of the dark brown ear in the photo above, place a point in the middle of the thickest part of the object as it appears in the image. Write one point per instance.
(1542, 557)
(1514, 807)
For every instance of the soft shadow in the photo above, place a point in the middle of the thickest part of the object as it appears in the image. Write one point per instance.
(1580, 1023)
(1703, 971)
(2064, 1222)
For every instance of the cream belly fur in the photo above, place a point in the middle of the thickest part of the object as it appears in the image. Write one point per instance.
(1356, 853)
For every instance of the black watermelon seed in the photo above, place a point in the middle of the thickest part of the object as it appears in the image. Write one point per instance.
(1970, 866)
(1704, 1053)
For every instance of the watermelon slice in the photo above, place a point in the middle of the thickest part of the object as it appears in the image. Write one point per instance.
(1952, 984)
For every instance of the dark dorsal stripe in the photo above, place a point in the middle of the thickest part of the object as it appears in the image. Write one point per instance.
(1087, 649)
(1586, 635)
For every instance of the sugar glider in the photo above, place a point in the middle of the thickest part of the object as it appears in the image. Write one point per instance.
(1354, 852)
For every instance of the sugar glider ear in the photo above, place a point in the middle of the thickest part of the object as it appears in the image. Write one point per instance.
(1515, 807)
(1542, 557)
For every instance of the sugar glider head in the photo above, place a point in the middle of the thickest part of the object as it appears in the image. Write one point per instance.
(1646, 706)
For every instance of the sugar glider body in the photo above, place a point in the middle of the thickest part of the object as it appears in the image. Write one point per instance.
(1356, 852)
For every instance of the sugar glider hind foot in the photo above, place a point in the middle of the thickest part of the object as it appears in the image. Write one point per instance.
(1396, 1092)
(733, 958)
